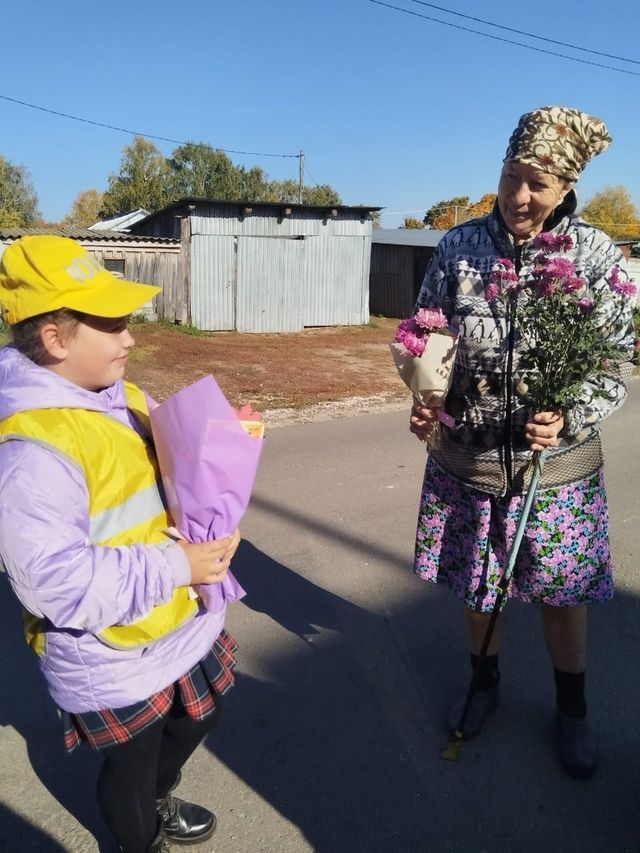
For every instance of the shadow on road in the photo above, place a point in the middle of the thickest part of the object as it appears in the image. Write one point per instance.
(26, 707)
(18, 834)
(342, 731)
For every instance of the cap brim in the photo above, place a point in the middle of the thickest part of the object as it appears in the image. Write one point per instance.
(118, 298)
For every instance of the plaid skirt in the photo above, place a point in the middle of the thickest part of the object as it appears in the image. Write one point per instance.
(198, 688)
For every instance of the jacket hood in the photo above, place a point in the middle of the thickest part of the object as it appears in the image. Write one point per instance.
(25, 385)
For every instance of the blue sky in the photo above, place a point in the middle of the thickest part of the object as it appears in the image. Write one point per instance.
(390, 109)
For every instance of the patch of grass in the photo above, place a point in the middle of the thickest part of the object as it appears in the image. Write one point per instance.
(183, 329)
(138, 319)
(143, 353)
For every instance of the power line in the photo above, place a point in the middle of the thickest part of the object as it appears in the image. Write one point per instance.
(523, 33)
(139, 133)
(505, 40)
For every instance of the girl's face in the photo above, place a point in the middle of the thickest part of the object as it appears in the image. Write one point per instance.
(97, 352)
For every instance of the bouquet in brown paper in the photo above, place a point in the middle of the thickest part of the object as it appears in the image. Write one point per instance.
(424, 352)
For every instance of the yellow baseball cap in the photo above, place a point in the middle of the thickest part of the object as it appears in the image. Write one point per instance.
(43, 273)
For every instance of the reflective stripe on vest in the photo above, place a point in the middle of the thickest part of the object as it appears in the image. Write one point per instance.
(126, 505)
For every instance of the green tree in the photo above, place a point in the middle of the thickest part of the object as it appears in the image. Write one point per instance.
(289, 190)
(199, 171)
(85, 210)
(412, 223)
(614, 212)
(195, 170)
(18, 198)
(143, 180)
(447, 213)
(255, 185)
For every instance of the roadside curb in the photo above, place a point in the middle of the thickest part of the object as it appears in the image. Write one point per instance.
(329, 410)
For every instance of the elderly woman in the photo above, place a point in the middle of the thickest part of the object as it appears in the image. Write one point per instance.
(472, 492)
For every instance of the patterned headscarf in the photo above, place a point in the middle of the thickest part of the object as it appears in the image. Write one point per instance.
(558, 140)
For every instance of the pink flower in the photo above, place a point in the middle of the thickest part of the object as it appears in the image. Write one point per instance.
(503, 280)
(413, 333)
(431, 318)
(574, 284)
(491, 291)
(414, 343)
(619, 285)
(547, 242)
(559, 268)
(586, 305)
(408, 325)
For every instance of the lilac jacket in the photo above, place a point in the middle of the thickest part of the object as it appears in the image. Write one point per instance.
(81, 588)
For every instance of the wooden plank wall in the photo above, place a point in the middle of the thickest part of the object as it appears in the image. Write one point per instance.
(153, 266)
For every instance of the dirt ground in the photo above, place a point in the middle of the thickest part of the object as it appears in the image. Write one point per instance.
(270, 371)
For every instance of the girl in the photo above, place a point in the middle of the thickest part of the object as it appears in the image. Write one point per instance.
(131, 658)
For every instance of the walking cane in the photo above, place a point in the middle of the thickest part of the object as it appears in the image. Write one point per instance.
(452, 752)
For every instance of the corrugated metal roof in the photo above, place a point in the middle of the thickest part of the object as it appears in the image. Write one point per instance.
(257, 205)
(426, 237)
(83, 234)
(120, 223)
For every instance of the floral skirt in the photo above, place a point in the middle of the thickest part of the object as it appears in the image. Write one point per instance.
(464, 536)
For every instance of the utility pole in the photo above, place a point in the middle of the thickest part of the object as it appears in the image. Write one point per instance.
(300, 175)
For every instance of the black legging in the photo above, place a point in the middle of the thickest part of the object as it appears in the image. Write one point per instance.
(136, 773)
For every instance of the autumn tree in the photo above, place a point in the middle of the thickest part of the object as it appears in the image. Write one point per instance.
(143, 180)
(614, 212)
(18, 199)
(412, 223)
(482, 207)
(447, 213)
(85, 210)
(453, 211)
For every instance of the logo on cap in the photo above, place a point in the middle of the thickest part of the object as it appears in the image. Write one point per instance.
(82, 269)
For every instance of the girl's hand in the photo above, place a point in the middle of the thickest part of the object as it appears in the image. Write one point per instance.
(422, 421)
(209, 561)
(543, 430)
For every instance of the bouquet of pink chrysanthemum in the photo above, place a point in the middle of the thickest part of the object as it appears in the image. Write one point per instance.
(424, 352)
(561, 319)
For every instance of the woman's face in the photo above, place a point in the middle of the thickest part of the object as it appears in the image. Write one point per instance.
(526, 197)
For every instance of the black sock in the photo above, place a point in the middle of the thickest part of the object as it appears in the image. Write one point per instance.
(485, 670)
(570, 693)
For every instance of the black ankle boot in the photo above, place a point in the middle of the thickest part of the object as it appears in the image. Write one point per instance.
(575, 745)
(185, 823)
(483, 703)
(159, 843)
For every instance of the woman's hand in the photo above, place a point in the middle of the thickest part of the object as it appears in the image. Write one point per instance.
(209, 561)
(422, 421)
(543, 430)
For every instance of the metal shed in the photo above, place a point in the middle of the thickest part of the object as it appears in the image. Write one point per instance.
(263, 267)
(152, 260)
(399, 259)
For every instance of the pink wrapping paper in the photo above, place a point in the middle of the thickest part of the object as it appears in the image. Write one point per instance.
(208, 465)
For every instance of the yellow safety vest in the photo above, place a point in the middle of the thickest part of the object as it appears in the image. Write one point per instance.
(126, 506)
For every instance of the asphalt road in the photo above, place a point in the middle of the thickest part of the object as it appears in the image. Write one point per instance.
(331, 739)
